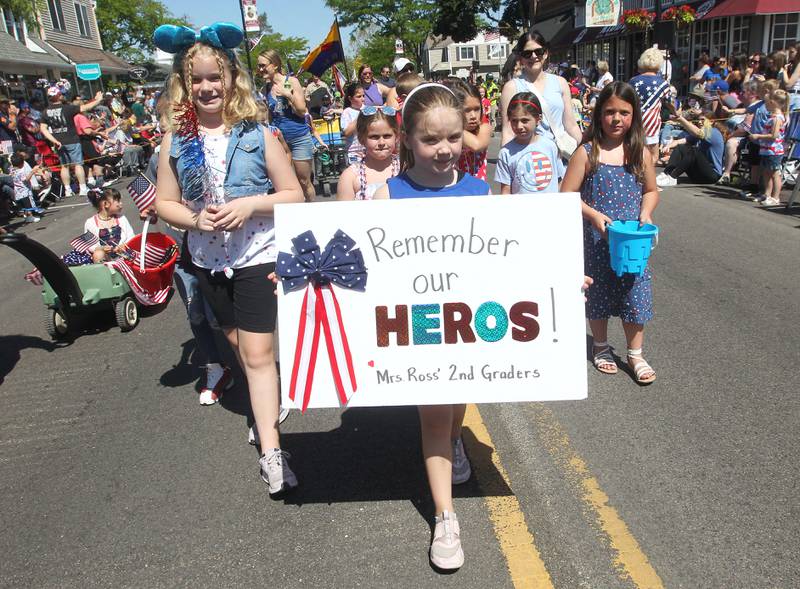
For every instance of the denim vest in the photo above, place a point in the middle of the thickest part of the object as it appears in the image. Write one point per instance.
(246, 170)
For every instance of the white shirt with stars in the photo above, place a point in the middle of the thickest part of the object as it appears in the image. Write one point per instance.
(251, 245)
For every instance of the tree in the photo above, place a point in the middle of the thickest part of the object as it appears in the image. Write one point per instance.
(377, 51)
(462, 20)
(23, 9)
(295, 49)
(409, 20)
(126, 26)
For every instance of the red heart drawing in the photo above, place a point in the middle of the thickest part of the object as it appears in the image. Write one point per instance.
(371, 363)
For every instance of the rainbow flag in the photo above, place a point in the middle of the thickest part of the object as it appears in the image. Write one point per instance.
(330, 51)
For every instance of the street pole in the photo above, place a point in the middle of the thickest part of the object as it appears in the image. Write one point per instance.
(246, 40)
(344, 56)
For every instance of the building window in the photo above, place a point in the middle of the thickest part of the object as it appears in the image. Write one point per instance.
(56, 15)
(466, 53)
(649, 4)
(15, 26)
(498, 51)
(740, 34)
(622, 47)
(580, 16)
(701, 42)
(719, 37)
(785, 30)
(83, 19)
(445, 55)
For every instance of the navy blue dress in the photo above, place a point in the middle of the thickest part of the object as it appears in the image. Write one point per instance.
(615, 192)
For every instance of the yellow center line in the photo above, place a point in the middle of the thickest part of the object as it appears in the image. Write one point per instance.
(629, 556)
(525, 564)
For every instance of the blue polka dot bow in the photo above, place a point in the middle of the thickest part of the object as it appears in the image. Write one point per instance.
(176, 38)
(337, 264)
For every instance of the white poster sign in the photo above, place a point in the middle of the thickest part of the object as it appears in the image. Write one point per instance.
(602, 13)
(250, 12)
(431, 301)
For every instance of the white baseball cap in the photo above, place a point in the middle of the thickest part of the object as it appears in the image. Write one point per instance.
(401, 63)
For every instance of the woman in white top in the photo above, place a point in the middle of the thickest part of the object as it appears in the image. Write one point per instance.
(604, 79)
(552, 91)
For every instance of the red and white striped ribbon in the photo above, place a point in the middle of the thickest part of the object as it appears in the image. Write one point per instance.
(320, 312)
(143, 296)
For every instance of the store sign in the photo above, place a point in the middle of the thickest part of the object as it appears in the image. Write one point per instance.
(250, 12)
(398, 47)
(88, 71)
(431, 301)
(704, 9)
(602, 13)
(139, 73)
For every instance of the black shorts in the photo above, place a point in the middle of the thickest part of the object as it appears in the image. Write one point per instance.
(246, 301)
(752, 157)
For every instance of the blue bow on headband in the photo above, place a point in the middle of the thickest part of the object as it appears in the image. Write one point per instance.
(174, 38)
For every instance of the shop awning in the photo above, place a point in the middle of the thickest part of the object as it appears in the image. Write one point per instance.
(552, 28)
(109, 63)
(575, 37)
(34, 53)
(751, 7)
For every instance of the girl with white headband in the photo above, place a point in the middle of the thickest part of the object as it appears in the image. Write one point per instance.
(432, 141)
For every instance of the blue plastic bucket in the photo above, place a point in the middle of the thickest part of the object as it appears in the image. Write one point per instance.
(629, 246)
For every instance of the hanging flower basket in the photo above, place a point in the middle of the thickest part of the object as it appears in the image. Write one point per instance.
(638, 19)
(682, 16)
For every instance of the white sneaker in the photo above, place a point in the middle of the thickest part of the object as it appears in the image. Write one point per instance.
(32, 219)
(462, 470)
(218, 380)
(666, 180)
(84, 191)
(276, 473)
(770, 202)
(91, 181)
(446, 552)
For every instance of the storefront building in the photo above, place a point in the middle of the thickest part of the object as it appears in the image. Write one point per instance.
(67, 35)
(722, 28)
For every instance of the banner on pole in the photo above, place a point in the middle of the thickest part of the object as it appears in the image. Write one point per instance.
(602, 13)
(250, 11)
(431, 301)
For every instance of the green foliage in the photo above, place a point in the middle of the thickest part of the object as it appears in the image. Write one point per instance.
(409, 20)
(377, 51)
(462, 20)
(23, 9)
(295, 49)
(126, 26)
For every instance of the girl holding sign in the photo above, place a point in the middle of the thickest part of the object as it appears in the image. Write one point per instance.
(616, 180)
(214, 172)
(433, 128)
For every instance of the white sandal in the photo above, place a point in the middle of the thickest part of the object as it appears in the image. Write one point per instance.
(643, 371)
(603, 360)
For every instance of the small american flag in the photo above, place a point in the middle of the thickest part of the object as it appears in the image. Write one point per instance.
(84, 243)
(154, 256)
(143, 192)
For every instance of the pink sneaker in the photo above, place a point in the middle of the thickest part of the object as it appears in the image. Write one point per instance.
(218, 379)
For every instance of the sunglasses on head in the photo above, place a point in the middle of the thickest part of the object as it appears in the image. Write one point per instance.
(371, 110)
(538, 52)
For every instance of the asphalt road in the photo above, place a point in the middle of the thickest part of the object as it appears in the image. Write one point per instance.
(111, 473)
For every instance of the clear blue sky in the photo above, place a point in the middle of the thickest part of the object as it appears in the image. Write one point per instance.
(302, 18)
